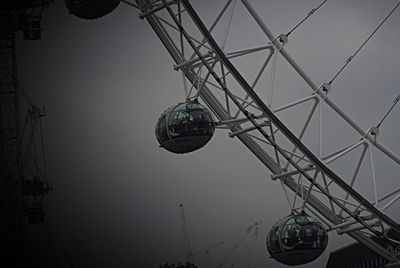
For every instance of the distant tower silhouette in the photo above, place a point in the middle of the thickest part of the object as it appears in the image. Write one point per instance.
(20, 195)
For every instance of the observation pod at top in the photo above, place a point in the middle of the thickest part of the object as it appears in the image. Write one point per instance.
(91, 9)
(185, 127)
(296, 240)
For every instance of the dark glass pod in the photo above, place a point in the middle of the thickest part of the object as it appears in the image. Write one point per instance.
(185, 127)
(296, 240)
(91, 9)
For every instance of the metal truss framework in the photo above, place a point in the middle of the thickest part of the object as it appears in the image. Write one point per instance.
(235, 102)
(11, 154)
(23, 178)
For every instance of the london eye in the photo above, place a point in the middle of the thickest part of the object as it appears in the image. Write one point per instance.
(217, 77)
(335, 162)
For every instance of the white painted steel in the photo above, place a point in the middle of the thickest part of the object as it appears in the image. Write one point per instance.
(314, 87)
(280, 161)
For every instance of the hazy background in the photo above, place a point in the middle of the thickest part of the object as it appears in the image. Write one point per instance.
(116, 193)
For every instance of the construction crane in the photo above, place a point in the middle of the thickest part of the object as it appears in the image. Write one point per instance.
(21, 194)
(239, 241)
(188, 249)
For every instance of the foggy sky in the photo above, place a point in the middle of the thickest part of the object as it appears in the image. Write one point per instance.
(105, 83)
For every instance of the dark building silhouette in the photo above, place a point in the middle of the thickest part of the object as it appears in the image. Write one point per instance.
(178, 265)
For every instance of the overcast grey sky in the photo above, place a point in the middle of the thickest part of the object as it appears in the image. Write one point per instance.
(105, 82)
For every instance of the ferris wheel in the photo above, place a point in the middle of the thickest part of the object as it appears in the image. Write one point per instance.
(286, 136)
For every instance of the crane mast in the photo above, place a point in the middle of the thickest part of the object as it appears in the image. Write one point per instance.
(15, 187)
(10, 151)
(188, 249)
